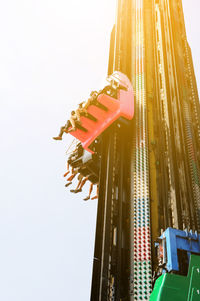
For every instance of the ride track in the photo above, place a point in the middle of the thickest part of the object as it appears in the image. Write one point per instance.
(124, 209)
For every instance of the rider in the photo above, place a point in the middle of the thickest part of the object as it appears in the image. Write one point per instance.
(65, 128)
(91, 99)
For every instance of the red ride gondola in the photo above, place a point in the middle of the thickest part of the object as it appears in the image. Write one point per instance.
(122, 106)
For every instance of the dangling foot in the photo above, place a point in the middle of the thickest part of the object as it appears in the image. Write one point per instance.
(57, 138)
(72, 190)
(77, 190)
(66, 185)
(94, 197)
(66, 173)
(87, 198)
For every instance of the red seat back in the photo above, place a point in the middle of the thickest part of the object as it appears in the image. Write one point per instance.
(121, 107)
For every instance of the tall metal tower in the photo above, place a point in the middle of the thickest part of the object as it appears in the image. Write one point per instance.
(150, 168)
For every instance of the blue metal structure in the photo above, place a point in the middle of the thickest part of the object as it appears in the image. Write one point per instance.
(176, 241)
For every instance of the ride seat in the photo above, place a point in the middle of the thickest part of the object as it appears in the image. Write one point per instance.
(123, 106)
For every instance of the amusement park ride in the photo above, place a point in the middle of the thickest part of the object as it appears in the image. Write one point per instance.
(142, 145)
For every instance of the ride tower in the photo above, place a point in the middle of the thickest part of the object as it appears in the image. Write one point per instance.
(149, 178)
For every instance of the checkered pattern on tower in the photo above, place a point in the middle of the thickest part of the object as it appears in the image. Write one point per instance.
(141, 273)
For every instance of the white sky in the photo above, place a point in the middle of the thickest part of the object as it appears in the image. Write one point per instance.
(52, 54)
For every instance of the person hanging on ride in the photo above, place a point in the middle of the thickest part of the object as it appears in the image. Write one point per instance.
(81, 111)
(70, 123)
(77, 151)
(90, 191)
(75, 116)
(91, 100)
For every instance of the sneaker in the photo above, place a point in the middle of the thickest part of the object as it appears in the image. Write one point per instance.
(66, 185)
(57, 138)
(87, 198)
(77, 190)
(72, 190)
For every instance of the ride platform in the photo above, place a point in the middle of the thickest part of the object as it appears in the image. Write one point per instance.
(104, 112)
